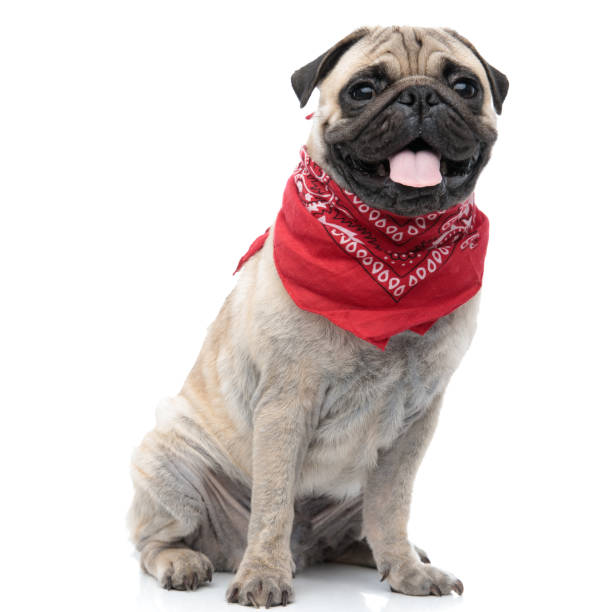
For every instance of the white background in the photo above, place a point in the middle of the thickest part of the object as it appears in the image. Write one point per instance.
(143, 145)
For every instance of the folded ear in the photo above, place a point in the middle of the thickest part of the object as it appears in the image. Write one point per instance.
(309, 76)
(497, 80)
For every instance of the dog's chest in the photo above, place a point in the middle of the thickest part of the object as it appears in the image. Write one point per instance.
(373, 398)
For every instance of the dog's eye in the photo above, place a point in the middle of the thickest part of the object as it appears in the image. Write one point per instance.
(466, 88)
(362, 91)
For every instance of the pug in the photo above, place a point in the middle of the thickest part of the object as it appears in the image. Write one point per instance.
(298, 433)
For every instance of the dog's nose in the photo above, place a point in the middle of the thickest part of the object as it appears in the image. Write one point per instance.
(419, 96)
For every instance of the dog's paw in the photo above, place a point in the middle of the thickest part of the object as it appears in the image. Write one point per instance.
(183, 569)
(422, 554)
(417, 578)
(258, 584)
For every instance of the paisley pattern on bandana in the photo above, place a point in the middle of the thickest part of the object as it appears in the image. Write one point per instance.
(397, 252)
(369, 271)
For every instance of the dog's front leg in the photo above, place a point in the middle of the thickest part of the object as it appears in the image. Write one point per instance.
(389, 485)
(279, 439)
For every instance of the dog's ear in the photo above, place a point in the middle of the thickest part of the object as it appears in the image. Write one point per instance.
(309, 76)
(497, 80)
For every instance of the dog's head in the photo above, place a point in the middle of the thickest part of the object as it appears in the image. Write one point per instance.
(406, 117)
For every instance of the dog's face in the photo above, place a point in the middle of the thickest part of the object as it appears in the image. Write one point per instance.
(406, 117)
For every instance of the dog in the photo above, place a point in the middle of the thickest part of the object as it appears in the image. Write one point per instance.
(298, 433)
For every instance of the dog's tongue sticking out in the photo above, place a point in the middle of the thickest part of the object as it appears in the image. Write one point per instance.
(420, 169)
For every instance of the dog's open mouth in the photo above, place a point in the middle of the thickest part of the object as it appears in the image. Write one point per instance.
(417, 165)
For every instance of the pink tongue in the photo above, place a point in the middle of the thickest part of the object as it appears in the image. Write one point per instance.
(420, 169)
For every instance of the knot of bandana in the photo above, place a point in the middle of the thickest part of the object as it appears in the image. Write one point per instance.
(369, 271)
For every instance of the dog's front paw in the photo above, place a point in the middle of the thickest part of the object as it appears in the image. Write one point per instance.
(413, 577)
(259, 584)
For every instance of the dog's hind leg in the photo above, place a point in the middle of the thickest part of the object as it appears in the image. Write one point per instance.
(357, 553)
(163, 536)
(335, 534)
(360, 553)
(186, 519)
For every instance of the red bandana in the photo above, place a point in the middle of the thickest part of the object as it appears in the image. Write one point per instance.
(369, 271)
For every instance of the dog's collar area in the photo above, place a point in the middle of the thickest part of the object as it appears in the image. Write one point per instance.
(369, 271)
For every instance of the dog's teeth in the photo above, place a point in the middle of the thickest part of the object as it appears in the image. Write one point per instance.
(380, 170)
